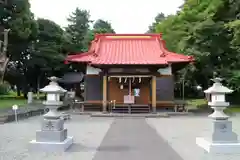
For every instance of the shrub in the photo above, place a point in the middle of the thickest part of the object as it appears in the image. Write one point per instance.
(4, 88)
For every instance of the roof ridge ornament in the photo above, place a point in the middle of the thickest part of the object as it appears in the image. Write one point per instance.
(162, 43)
(217, 87)
(217, 80)
(53, 79)
(96, 47)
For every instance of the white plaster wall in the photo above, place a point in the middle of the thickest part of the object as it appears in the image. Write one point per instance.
(165, 71)
(162, 71)
(115, 70)
(92, 70)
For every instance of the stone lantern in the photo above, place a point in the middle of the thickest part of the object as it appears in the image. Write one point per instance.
(217, 99)
(53, 135)
(222, 139)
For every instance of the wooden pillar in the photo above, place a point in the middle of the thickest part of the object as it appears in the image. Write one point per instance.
(130, 87)
(154, 95)
(104, 105)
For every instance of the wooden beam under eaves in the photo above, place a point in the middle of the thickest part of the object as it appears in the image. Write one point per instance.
(3, 2)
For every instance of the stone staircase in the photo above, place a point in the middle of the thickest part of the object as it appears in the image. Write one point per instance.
(140, 109)
(131, 109)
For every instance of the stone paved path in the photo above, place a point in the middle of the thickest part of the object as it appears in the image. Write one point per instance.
(134, 139)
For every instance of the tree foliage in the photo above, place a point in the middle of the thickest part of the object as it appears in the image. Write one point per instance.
(37, 48)
(79, 23)
(208, 30)
(159, 18)
(49, 46)
(101, 26)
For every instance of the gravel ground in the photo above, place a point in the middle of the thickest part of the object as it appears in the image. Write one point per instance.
(87, 132)
(181, 133)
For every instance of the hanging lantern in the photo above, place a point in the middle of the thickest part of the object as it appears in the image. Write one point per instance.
(121, 86)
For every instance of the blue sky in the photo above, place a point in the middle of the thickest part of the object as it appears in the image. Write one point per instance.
(126, 16)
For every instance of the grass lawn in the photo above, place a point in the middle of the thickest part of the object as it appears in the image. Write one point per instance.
(233, 109)
(8, 103)
(202, 103)
(196, 103)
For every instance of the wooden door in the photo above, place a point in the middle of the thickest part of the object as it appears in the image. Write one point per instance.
(114, 91)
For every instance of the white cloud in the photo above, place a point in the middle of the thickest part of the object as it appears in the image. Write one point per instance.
(126, 16)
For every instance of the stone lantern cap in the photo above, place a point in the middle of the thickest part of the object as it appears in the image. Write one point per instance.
(217, 87)
(53, 87)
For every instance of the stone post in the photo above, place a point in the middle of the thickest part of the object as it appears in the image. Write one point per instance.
(30, 97)
(222, 139)
(53, 135)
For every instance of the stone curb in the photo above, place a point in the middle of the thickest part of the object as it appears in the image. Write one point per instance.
(30, 112)
(79, 113)
(158, 115)
(180, 114)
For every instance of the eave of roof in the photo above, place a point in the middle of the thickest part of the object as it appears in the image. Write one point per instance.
(129, 49)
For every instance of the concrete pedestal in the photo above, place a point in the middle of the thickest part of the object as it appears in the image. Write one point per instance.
(222, 139)
(52, 137)
(218, 148)
(222, 132)
(51, 146)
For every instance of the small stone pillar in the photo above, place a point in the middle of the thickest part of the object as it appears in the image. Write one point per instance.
(53, 135)
(30, 97)
(222, 140)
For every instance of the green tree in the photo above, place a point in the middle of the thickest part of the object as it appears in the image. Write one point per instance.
(208, 30)
(16, 16)
(48, 52)
(101, 26)
(79, 22)
(159, 18)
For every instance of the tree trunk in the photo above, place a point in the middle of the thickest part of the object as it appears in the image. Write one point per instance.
(38, 85)
(3, 65)
(18, 91)
(3, 55)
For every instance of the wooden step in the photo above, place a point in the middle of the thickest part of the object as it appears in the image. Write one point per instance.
(143, 111)
(133, 109)
(92, 107)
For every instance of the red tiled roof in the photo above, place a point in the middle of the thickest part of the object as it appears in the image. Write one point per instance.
(129, 49)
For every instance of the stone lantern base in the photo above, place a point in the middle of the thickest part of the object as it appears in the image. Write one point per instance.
(52, 146)
(53, 136)
(222, 139)
(218, 148)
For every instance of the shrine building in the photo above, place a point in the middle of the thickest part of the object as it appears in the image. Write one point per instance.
(129, 72)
